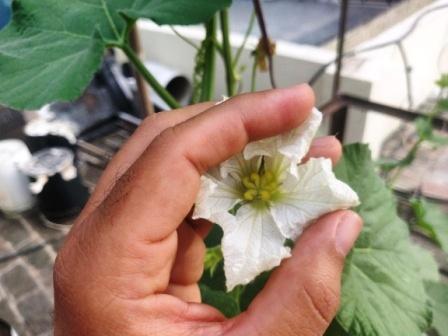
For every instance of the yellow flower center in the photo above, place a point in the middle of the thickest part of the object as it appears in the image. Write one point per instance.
(260, 186)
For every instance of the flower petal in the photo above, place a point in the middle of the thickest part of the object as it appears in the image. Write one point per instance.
(294, 145)
(215, 196)
(251, 245)
(315, 192)
(238, 167)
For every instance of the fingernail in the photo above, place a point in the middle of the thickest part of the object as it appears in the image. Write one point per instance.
(347, 231)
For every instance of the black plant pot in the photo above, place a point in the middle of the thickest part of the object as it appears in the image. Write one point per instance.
(6, 329)
(55, 181)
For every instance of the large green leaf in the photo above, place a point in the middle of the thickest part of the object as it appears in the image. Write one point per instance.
(382, 293)
(176, 12)
(335, 329)
(426, 265)
(51, 48)
(438, 292)
(432, 220)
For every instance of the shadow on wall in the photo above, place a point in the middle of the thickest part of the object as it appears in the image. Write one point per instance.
(5, 12)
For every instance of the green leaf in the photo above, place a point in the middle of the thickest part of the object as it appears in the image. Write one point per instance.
(220, 300)
(213, 257)
(382, 294)
(443, 104)
(424, 127)
(177, 12)
(426, 132)
(430, 218)
(438, 292)
(51, 49)
(252, 289)
(335, 329)
(426, 265)
(438, 140)
(443, 81)
(217, 280)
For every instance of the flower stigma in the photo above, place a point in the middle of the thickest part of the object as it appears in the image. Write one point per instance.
(260, 186)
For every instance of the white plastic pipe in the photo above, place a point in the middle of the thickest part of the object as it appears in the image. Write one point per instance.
(173, 81)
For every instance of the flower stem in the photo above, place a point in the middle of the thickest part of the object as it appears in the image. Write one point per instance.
(253, 81)
(208, 79)
(250, 27)
(230, 72)
(185, 39)
(265, 39)
(148, 76)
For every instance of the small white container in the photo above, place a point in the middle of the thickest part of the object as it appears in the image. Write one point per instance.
(15, 195)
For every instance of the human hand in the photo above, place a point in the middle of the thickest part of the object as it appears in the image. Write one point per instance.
(131, 262)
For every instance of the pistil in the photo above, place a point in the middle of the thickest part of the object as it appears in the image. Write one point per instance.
(260, 186)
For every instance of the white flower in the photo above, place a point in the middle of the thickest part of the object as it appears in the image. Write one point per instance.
(262, 197)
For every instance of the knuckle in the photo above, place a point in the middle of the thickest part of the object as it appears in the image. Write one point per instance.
(168, 137)
(155, 124)
(152, 121)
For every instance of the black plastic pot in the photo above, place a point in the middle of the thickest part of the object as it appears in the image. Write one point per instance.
(55, 181)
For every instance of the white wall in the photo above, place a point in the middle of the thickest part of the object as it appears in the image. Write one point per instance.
(384, 69)
(293, 63)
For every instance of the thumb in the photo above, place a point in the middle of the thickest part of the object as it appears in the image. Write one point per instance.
(302, 295)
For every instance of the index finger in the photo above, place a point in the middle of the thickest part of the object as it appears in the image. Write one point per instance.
(150, 128)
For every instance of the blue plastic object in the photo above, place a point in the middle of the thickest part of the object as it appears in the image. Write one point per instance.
(5, 12)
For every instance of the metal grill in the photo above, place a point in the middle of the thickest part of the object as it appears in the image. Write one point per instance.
(98, 145)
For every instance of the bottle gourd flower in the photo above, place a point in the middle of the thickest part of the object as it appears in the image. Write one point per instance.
(262, 197)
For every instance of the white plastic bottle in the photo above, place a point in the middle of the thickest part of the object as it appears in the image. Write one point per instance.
(15, 195)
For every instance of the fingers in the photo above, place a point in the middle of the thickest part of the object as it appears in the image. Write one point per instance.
(188, 293)
(189, 263)
(135, 146)
(302, 295)
(201, 226)
(327, 146)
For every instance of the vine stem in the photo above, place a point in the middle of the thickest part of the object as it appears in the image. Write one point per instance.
(185, 39)
(406, 161)
(230, 71)
(246, 37)
(253, 81)
(208, 80)
(149, 77)
(265, 40)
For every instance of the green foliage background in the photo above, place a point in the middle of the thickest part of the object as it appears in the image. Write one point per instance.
(51, 49)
